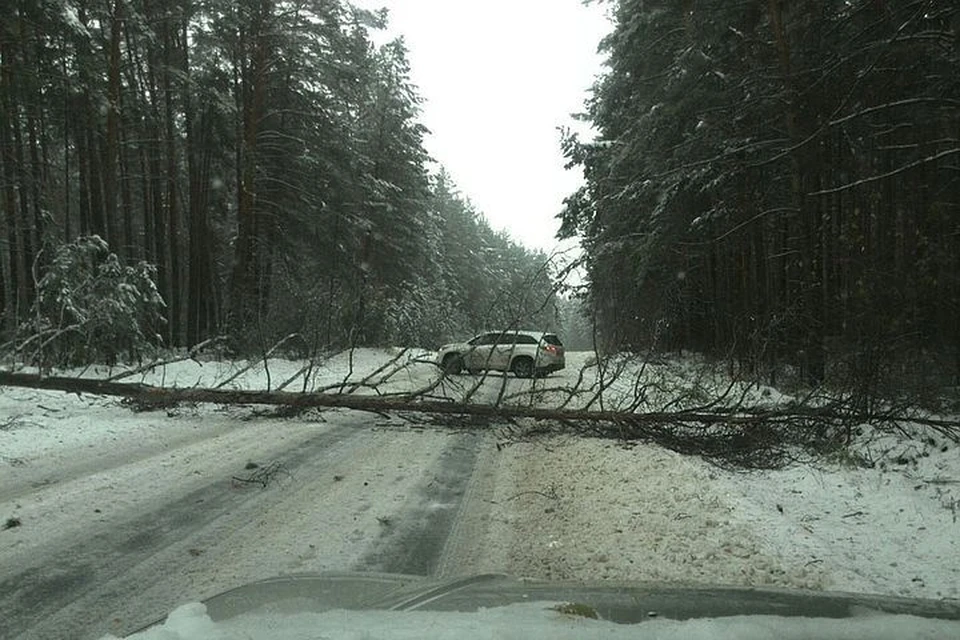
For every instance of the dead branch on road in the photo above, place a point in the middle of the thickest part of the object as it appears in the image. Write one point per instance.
(550, 494)
(263, 475)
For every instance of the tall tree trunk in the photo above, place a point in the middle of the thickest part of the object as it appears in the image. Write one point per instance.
(84, 222)
(173, 291)
(8, 193)
(14, 187)
(37, 178)
(111, 141)
(68, 229)
(201, 290)
(38, 192)
(88, 139)
(158, 206)
(131, 244)
(251, 252)
(146, 131)
(804, 181)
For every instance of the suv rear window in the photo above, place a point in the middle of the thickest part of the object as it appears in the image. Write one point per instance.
(552, 339)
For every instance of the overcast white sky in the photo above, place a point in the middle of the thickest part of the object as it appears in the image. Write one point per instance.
(498, 77)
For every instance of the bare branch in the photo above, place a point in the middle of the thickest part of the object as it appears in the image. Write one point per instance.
(888, 174)
(190, 355)
(252, 363)
(893, 105)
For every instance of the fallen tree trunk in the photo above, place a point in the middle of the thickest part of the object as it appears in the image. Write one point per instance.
(376, 403)
(737, 436)
(743, 415)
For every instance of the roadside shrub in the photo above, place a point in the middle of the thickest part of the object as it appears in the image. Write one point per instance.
(91, 308)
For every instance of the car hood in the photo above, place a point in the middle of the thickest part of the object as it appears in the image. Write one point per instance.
(616, 602)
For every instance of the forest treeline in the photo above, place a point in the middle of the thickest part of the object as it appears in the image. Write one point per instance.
(260, 161)
(772, 181)
(777, 181)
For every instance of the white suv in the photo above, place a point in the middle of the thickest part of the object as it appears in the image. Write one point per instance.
(525, 353)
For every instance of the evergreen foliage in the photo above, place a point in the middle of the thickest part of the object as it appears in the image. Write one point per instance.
(778, 182)
(266, 156)
(90, 308)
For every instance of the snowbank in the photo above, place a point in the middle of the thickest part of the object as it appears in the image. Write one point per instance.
(882, 520)
(587, 509)
(590, 509)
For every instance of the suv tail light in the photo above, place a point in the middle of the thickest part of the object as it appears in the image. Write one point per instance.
(552, 349)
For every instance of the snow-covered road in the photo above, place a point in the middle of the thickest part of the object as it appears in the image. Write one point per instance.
(172, 524)
(111, 518)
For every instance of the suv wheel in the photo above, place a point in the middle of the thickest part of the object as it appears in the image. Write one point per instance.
(523, 367)
(452, 364)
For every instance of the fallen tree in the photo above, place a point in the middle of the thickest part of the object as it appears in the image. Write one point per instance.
(385, 403)
(737, 436)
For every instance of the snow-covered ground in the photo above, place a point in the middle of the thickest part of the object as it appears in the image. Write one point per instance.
(556, 507)
(569, 508)
(889, 529)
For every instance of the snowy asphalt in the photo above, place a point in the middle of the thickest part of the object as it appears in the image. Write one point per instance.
(178, 547)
